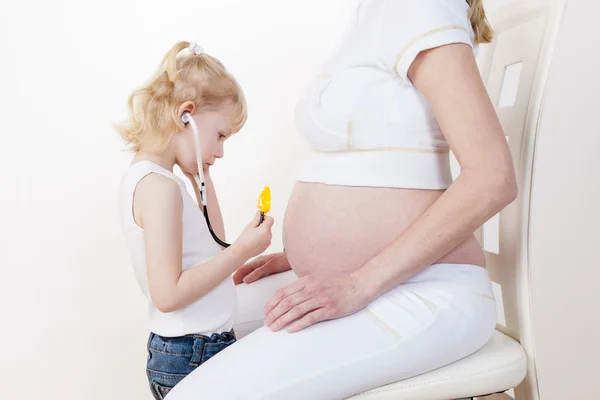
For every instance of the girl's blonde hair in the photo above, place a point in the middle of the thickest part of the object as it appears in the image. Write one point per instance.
(481, 27)
(199, 78)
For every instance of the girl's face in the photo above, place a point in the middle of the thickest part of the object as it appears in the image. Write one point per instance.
(214, 128)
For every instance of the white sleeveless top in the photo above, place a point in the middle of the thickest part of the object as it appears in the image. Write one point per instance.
(366, 124)
(214, 312)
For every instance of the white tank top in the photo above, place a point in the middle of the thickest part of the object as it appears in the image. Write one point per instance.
(214, 312)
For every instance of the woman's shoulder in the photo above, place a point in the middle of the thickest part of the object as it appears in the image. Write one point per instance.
(422, 7)
(422, 16)
(410, 26)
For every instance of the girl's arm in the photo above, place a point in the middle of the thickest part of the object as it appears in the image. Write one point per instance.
(159, 203)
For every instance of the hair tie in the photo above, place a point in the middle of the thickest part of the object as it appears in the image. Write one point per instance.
(195, 49)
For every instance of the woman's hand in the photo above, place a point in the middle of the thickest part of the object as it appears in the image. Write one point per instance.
(312, 299)
(260, 267)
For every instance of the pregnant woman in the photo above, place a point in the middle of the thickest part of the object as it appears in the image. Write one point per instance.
(391, 280)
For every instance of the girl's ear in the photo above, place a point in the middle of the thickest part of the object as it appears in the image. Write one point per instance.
(186, 107)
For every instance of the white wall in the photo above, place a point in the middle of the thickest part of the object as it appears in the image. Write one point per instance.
(73, 321)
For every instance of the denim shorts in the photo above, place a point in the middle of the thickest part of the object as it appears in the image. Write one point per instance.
(170, 359)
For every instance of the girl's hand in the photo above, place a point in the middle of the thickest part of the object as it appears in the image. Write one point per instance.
(260, 267)
(256, 237)
(312, 299)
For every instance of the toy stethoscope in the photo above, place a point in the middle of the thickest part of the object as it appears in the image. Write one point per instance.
(264, 200)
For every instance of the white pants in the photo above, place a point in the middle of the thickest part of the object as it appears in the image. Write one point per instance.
(439, 316)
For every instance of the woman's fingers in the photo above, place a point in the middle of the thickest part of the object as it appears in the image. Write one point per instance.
(293, 305)
(314, 299)
(241, 273)
(248, 268)
(281, 294)
(294, 314)
(311, 318)
(256, 275)
(260, 272)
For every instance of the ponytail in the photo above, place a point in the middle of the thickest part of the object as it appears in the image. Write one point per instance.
(481, 27)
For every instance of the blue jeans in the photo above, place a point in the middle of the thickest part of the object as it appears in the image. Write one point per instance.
(170, 359)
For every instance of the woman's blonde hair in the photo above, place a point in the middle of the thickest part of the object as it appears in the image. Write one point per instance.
(481, 27)
(199, 78)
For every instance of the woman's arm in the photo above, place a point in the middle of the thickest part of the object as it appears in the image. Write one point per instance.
(448, 77)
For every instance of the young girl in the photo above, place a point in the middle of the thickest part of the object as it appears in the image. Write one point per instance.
(180, 268)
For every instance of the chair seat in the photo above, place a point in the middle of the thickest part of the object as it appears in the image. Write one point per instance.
(500, 365)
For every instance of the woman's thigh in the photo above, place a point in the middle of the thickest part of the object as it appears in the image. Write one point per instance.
(396, 337)
(252, 298)
(311, 364)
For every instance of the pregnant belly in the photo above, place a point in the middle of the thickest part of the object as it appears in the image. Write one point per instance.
(339, 228)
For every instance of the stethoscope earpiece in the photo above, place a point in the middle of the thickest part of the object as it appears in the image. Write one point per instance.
(185, 118)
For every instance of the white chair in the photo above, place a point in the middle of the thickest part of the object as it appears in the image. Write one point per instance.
(516, 69)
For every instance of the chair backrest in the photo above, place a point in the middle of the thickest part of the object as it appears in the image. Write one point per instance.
(515, 69)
